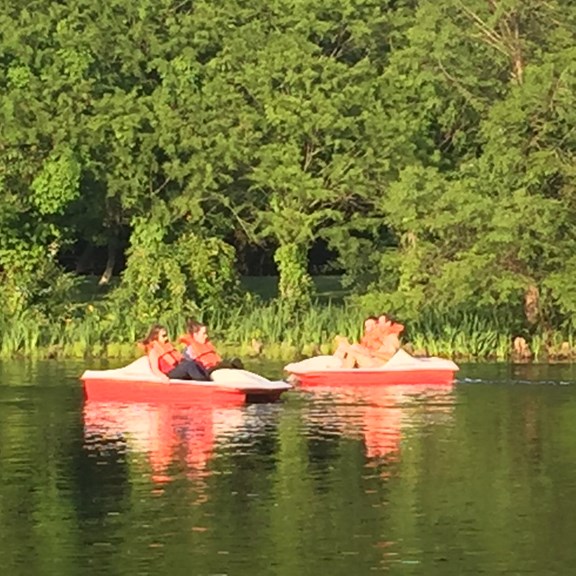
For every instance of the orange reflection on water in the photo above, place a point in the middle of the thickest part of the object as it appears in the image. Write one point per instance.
(167, 434)
(379, 414)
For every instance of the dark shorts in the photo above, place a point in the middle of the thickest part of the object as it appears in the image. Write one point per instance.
(188, 370)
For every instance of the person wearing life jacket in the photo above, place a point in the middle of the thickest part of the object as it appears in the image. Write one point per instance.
(371, 338)
(381, 344)
(387, 325)
(389, 335)
(200, 349)
(369, 341)
(168, 363)
(359, 354)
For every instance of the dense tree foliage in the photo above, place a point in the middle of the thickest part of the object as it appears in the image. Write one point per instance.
(429, 143)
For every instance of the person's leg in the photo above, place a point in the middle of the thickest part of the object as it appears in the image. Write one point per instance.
(234, 363)
(217, 367)
(343, 350)
(188, 370)
(360, 348)
(364, 360)
(354, 355)
(341, 345)
(348, 360)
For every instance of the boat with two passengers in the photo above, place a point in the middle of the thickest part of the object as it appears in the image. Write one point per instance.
(136, 382)
(402, 368)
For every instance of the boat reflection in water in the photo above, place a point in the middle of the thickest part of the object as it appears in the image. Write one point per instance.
(180, 440)
(175, 438)
(379, 414)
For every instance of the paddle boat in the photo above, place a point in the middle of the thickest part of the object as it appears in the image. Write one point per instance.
(400, 369)
(136, 382)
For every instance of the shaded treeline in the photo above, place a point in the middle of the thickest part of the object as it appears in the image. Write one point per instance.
(427, 147)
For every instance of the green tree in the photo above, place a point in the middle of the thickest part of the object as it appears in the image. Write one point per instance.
(482, 220)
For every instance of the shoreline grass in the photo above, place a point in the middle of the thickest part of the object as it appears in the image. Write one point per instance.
(270, 330)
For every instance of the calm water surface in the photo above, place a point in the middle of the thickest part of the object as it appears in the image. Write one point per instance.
(477, 478)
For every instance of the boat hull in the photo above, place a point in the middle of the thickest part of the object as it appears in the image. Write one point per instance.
(133, 391)
(373, 378)
(137, 383)
(402, 369)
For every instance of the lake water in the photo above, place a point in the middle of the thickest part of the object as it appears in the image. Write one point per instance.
(477, 478)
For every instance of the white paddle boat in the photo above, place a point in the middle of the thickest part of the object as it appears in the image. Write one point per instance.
(400, 369)
(137, 382)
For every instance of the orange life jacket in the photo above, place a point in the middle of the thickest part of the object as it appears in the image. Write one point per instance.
(205, 354)
(168, 356)
(371, 340)
(396, 329)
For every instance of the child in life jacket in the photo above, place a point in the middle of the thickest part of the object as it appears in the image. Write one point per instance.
(200, 349)
(166, 362)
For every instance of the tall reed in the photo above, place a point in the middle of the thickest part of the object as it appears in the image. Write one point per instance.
(268, 327)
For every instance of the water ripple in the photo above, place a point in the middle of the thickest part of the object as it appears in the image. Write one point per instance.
(478, 477)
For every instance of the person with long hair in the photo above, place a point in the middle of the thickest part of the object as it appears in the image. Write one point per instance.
(168, 363)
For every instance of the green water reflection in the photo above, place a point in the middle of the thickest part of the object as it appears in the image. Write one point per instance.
(470, 479)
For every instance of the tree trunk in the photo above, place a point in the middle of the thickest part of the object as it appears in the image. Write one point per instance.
(532, 304)
(110, 262)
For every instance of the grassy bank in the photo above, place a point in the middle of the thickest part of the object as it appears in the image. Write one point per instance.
(267, 329)
(270, 330)
(88, 326)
